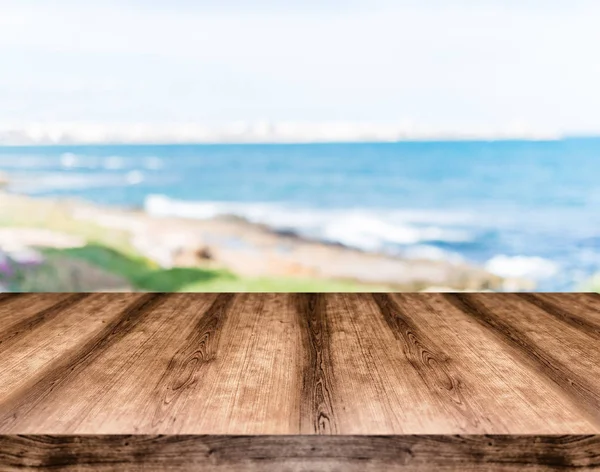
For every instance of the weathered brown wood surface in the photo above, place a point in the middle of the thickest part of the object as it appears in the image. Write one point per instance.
(301, 364)
(283, 453)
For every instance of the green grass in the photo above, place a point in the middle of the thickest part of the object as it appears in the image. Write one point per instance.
(111, 251)
(146, 276)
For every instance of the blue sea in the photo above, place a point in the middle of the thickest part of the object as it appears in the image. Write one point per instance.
(519, 208)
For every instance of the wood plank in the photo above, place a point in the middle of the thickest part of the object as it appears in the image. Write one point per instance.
(317, 412)
(566, 355)
(115, 383)
(14, 309)
(28, 399)
(248, 385)
(568, 307)
(369, 360)
(423, 453)
(476, 375)
(42, 339)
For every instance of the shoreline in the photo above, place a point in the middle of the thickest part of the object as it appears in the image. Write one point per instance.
(249, 249)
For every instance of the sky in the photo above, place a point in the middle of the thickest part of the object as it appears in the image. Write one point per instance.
(448, 64)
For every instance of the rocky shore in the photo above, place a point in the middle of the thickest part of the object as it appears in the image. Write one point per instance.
(230, 243)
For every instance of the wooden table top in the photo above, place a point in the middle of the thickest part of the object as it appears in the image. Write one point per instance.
(302, 364)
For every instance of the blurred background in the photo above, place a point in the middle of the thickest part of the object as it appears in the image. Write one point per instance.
(299, 146)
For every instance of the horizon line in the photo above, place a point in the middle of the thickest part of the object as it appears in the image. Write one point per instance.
(265, 132)
(300, 143)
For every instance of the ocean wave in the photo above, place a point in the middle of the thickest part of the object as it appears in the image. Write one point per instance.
(530, 267)
(114, 163)
(25, 162)
(363, 229)
(134, 177)
(120, 163)
(153, 163)
(67, 162)
(374, 231)
(71, 161)
(60, 182)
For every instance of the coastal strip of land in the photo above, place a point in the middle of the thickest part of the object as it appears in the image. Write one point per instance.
(79, 246)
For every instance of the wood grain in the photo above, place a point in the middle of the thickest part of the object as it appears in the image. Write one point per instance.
(425, 453)
(309, 364)
(43, 309)
(567, 357)
(316, 415)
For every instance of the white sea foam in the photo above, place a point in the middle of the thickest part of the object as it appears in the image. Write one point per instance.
(114, 163)
(135, 177)
(68, 160)
(25, 162)
(73, 181)
(522, 266)
(71, 161)
(368, 230)
(374, 231)
(153, 163)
